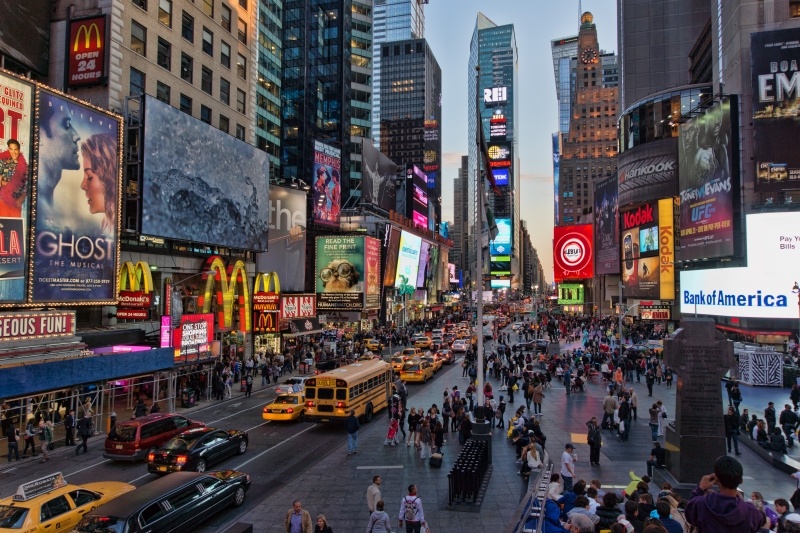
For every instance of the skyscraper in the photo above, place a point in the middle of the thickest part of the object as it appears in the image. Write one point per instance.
(494, 49)
(268, 79)
(392, 20)
(458, 231)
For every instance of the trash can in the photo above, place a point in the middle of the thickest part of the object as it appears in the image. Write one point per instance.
(187, 397)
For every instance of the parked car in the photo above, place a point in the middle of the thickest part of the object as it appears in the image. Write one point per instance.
(178, 502)
(197, 449)
(132, 440)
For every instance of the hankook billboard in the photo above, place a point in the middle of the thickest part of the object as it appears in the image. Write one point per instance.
(774, 58)
(201, 184)
(648, 172)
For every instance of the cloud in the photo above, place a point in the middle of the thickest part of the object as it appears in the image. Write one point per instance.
(452, 159)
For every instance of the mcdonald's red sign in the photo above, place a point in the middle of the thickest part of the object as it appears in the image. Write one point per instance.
(87, 52)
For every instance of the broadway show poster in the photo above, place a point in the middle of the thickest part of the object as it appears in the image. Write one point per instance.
(16, 114)
(340, 273)
(606, 227)
(708, 184)
(372, 253)
(377, 185)
(327, 182)
(774, 59)
(77, 203)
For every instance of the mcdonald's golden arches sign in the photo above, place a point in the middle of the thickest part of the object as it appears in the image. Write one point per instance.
(266, 303)
(135, 291)
(87, 52)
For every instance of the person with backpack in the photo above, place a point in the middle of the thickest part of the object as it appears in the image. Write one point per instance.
(411, 511)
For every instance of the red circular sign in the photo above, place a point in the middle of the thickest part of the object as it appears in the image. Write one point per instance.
(572, 252)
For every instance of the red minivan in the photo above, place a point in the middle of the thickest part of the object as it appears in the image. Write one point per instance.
(133, 439)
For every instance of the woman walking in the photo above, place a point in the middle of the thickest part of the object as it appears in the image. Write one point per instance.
(426, 439)
(538, 396)
(413, 421)
(379, 521)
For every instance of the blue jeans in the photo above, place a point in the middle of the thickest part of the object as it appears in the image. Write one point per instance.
(654, 431)
(567, 483)
(352, 442)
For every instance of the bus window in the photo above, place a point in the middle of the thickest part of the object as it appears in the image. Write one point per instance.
(325, 394)
(311, 393)
(341, 394)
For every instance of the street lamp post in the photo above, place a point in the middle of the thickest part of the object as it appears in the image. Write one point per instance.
(796, 290)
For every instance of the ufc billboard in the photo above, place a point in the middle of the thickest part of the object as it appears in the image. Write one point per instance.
(86, 50)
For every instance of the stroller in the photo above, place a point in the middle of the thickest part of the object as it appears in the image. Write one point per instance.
(391, 434)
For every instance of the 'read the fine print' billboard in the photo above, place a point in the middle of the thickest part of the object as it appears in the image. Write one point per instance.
(573, 254)
(708, 182)
(341, 272)
(16, 110)
(75, 254)
(201, 184)
(327, 184)
(774, 57)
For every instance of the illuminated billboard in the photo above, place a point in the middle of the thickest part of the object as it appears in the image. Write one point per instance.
(407, 260)
(501, 176)
(417, 198)
(451, 268)
(327, 188)
(500, 266)
(774, 56)
(572, 252)
(340, 273)
(16, 110)
(500, 284)
(556, 145)
(378, 177)
(606, 227)
(708, 182)
(499, 155)
(571, 293)
(762, 289)
(201, 184)
(287, 234)
(648, 172)
(372, 273)
(392, 245)
(648, 250)
(424, 252)
(501, 245)
(495, 95)
(86, 52)
(75, 255)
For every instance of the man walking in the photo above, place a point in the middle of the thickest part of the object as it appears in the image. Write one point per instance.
(69, 428)
(568, 467)
(298, 520)
(732, 429)
(624, 418)
(411, 511)
(85, 429)
(374, 494)
(609, 406)
(352, 426)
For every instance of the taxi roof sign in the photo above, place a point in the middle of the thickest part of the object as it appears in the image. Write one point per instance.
(40, 486)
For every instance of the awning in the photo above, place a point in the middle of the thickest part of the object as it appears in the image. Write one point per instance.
(744, 331)
(300, 334)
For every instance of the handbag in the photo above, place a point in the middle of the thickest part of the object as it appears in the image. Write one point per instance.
(663, 415)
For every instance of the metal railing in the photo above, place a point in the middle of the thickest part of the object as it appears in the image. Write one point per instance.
(531, 508)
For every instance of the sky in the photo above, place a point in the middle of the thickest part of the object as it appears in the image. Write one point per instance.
(448, 28)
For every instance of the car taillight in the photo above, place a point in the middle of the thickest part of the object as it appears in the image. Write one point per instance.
(180, 460)
(340, 405)
(151, 457)
(266, 409)
(419, 371)
(290, 410)
(310, 403)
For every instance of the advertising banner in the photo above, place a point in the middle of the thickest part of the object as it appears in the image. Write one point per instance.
(708, 183)
(556, 138)
(372, 276)
(423, 264)
(36, 325)
(407, 261)
(16, 115)
(666, 248)
(287, 238)
(135, 291)
(648, 172)
(392, 242)
(500, 283)
(499, 155)
(340, 273)
(378, 177)
(298, 306)
(762, 289)
(774, 56)
(87, 52)
(572, 252)
(192, 339)
(571, 293)
(327, 184)
(200, 184)
(502, 176)
(266, 310)
(655, 312)
(500, 266)
(606, 227)
(417, 199)
(75, 256)
(501, 245)
(640, 259)
(452, 269)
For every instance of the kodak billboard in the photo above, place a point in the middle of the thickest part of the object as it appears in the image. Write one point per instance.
(86, 50)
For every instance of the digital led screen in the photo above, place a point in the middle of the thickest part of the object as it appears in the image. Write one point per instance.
(501, 176)
(573, 257)
(340, 272)
(501, 245)
(287, 233)
(423, 263)
(407, 260)
(417, 205)
(327, 189)
(606, 227)
(571, 293)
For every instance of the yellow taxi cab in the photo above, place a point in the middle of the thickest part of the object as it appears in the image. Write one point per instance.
(418, 371)
(411, 353)
(285, 407)
(422, 341)
(373, 345)
(433, 360)
(397, 362)
(50, 504)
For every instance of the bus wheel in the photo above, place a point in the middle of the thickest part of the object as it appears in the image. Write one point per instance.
(368, 413)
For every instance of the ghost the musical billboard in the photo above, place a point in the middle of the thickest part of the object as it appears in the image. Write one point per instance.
(75, 255)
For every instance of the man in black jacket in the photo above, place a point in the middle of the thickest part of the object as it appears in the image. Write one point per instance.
(352, 426)
(788, 421)
(85, 430)
(69, 428)
(732, 429)
(625, 418)
(770, 417)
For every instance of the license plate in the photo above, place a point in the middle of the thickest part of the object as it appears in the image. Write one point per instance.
(162, 468)
(118, 446)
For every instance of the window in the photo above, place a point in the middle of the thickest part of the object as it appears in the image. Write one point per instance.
(141, 3)
(82, 497)
(138, 38)
(243, 3)
(151, 514)
(208, 7)
(224, 123)
(242, 31)
(240, 132)
(187, 68)
(205, 114)
(137, 82)
(794, 8)
(208, 42)
(55, 507)
(164, 54)
(226, 17)
(241, 96)
(205, 80)
(184, 497)
(163, 92)
(186, 104)
(225, 54)
(241, 67)
(165, 12)
(187, 27)
(224, 91)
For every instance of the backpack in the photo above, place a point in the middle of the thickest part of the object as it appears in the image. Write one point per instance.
(410, 513)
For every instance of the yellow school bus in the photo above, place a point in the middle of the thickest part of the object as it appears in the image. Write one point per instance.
(363, 386)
